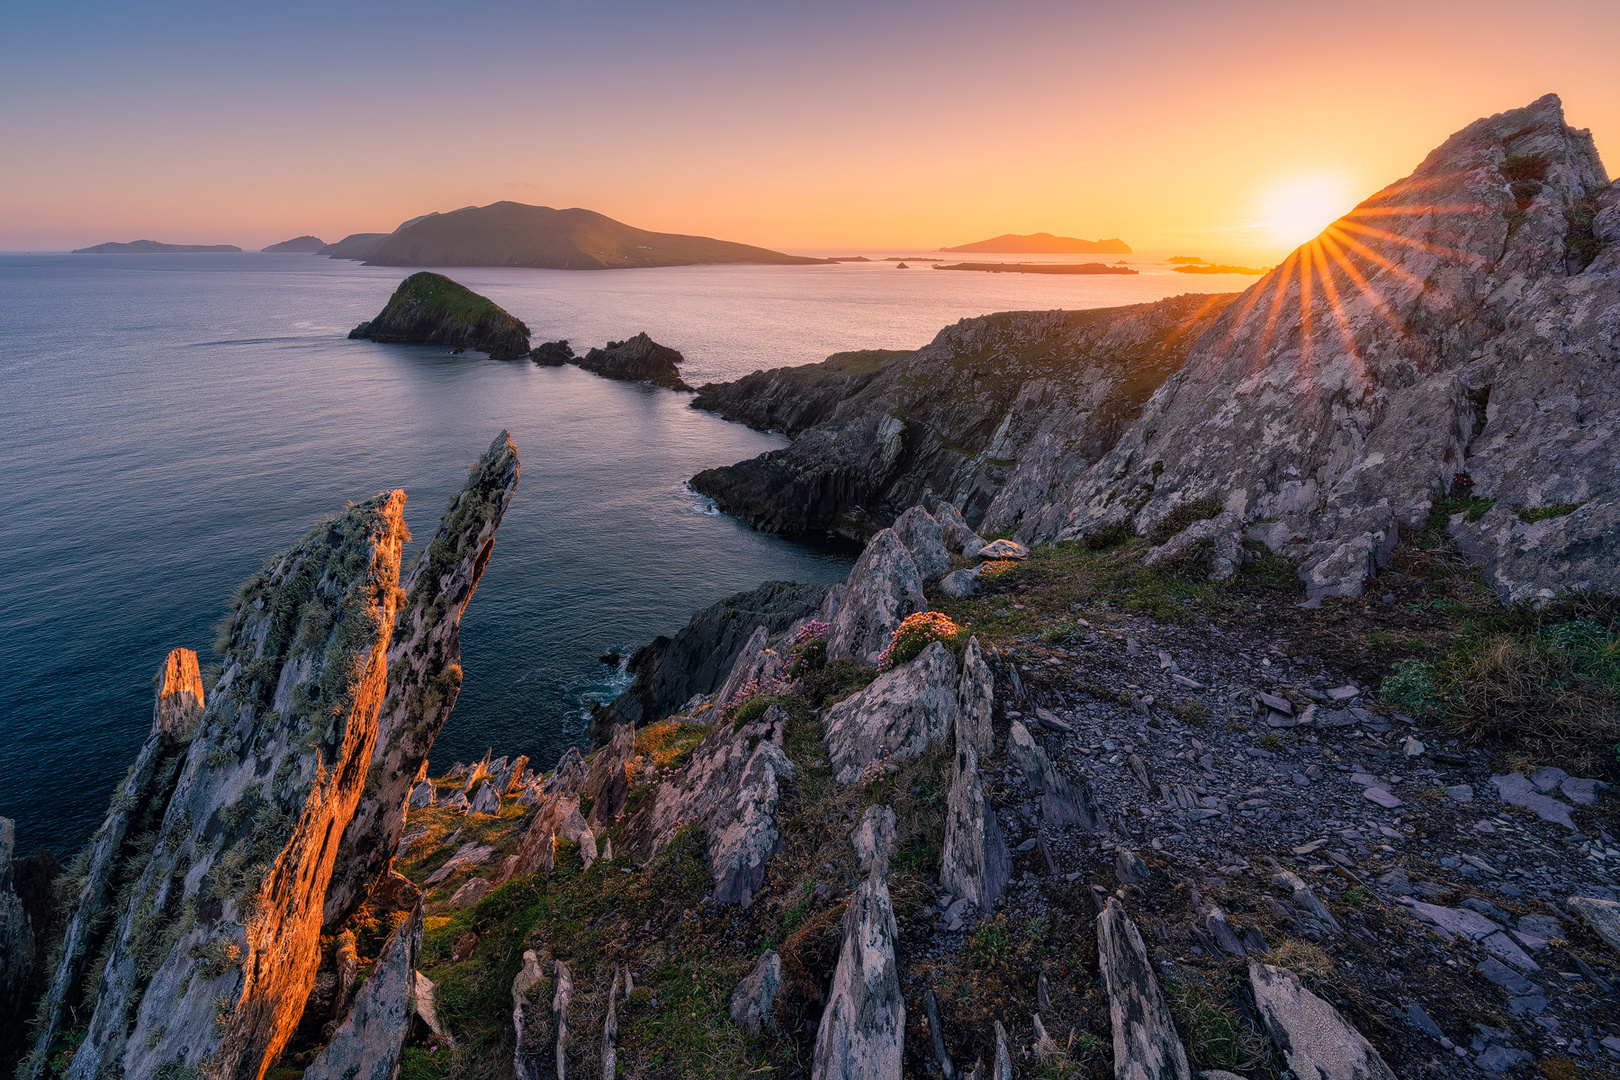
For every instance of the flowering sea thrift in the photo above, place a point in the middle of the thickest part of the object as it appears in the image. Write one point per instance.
(912, 636)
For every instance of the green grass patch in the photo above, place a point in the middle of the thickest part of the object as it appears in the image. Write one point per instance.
(1533, 514)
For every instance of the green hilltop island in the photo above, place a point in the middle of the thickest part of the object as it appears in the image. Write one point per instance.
(1227, 687)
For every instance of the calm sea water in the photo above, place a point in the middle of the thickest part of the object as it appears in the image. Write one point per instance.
(169, 422)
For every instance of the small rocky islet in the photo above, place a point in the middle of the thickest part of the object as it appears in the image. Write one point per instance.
(1187, 775)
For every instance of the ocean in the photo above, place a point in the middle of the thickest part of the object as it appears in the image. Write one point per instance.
(169, 422)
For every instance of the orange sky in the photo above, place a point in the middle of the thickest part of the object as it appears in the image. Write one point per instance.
(1171, 125)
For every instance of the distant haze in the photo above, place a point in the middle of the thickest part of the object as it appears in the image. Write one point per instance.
(794, 127)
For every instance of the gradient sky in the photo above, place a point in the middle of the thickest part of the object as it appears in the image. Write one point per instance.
(794, 125)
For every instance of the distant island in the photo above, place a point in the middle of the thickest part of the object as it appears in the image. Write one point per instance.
(431, 309)
(153, 247)
(516, 234)
(1220, 268)
(1038, 268)
(1044, 243)
(298, 245)
(1185, 259)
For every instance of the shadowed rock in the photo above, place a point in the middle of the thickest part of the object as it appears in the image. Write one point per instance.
(756, 663)
(132, 821)
(975, 702)
(753, 998)
(881, 590)
(1603, 916)
(894, 718)
(368, 1042)
(637, 359)
(431, 309)
(1312, 1037)
(960, 539)
(213, 955)
(924, 538)
(607, 781)
(424, 672)
(1212, 548)
(1062, 802)
(557, 815)
(862, 1030)
(973, 861)
(1146, 1046)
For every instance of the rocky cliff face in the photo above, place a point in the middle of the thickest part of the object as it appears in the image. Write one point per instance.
(216, 941)
(669, 671)
(637, 359)
(1024, 398)
(424, 672)
(431, 309)
(1461, 322)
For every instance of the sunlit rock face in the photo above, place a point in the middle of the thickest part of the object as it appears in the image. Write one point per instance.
(424, 671)
(214, 952)
(1461, 321)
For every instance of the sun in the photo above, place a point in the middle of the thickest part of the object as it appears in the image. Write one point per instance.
(1294, 212)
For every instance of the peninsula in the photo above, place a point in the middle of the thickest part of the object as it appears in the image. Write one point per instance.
(516, 234)
(153, 247)
(1044, 243)
(298, 245)
(431, 309)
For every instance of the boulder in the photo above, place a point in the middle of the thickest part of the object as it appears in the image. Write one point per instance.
(973, 862)
(472, 891)
(753, 998)
(431, 309)
(1146, 1046)
(228, 907)
(669, 671)
(960, 539)
(1062, 803)
(1603, 916)
(471, 853)
(895, 717)
(427, 1007)
(1212, 548)
(368, 1042)
(422, 796)
(136, 812)
(1312, 1037)
(862, 1030)
(488, 799)
(511, 777)
(975, 702)
(925, 540)
(881, 590)
(960, 584)
(424, 672)
(1003, 549)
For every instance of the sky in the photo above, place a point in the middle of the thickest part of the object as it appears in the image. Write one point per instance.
(1217, 127)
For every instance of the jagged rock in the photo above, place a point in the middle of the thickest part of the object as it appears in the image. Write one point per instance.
(1212, 548)
(1458, 322)
(432, 309)
(960, 584)
(936, 1032)
(975, 702)
(136, 811)
(477, 774)
(895, 717)
(960, 538)
(1312, 1037)
(532, 1022)
(427, 1007)
(569, 775)
(561, 998)
(757, 662)
(637, 359)
(457, 803)
(607, 781)
(472, 891)
(347, 960)
(730, 784)
(1003, 1068)
(751, 1001)
(973, 861)
(1047, 390)
(1003, 549)
(552, 353)
(368, 1042)
(471, 853)
(1304, 898)
(924, 538)
(1603, 916)
(487, 801)
(511, 777)
(424, 672)
(1062, 803)
(863, 1027)
(610, 1031)
(422, 796)
(558, 815)
(881, 590)
(669, 671)
(228, 907)
(1146, 1046)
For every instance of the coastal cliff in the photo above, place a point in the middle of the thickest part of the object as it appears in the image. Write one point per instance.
(955, 421)
(429, 308)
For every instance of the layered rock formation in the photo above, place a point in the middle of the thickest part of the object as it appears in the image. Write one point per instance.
(1026, 399)
(669, 671)
(637, 359)
(424, 671)
(117, 850)
(883, 588)
(894, 718)
(216, 942)
(431, 309)
(1459, 322)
